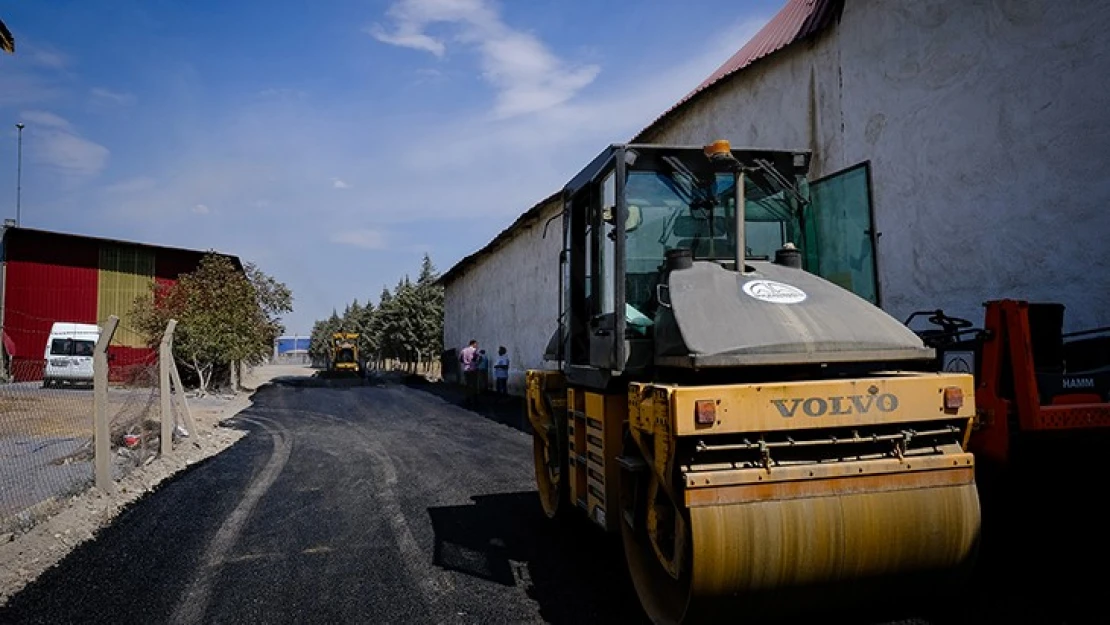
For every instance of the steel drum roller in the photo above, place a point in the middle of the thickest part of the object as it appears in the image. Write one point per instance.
(746, 559)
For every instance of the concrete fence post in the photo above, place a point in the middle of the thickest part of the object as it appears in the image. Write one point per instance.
(175, 375)
(102, 444)
(165, 361)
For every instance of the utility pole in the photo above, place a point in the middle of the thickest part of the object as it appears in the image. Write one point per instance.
(19, 172)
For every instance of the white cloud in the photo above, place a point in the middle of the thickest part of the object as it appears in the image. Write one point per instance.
(107, 96)
(269, 171)
(416, 40)
(527, 75)
(365, 238)
(44, 118)
(47, 57)
(201, 209)
(336, 183)
(23, 88)
(132, 185)
(52, 141)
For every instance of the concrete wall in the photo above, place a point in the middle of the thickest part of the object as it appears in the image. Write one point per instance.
(985, 125)
(510, 298)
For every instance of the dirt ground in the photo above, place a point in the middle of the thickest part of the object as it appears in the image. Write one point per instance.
(24, 556)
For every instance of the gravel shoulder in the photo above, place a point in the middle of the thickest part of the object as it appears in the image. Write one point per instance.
(24, 556)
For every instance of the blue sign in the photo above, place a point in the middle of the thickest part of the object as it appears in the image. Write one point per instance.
(286, 344)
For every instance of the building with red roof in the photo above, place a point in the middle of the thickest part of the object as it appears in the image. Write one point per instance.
(50, 277)
(956, 151)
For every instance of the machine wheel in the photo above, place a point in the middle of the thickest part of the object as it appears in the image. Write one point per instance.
(552, 471)
(731, 563)
(664, 596)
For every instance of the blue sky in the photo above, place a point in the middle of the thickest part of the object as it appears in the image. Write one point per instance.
(333, 143)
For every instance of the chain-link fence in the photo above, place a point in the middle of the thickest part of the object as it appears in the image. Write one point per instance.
(48, 409)
(133, 407)
(45, 426)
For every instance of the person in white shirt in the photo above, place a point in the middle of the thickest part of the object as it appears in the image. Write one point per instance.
(501, 371)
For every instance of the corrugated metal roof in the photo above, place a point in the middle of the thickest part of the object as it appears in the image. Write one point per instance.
(33, 233)
(797, 21)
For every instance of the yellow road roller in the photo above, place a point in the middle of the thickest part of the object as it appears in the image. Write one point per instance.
(763, 439)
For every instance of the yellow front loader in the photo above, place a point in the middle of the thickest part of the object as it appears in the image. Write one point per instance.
(764, 440)
(344, 354)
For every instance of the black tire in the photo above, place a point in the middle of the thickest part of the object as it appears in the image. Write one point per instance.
(554, 497)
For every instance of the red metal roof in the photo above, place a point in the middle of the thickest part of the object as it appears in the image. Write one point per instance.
(797, 21)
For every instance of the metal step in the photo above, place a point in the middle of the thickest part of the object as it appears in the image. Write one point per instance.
(632, 464)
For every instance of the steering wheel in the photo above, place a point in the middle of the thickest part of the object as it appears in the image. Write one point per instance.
(950, 324)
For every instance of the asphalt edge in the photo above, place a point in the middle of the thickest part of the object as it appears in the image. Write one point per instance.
(70, 522)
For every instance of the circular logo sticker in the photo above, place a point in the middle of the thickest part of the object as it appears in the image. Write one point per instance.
(774, 292)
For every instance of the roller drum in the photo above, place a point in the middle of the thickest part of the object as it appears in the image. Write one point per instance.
(765, 558)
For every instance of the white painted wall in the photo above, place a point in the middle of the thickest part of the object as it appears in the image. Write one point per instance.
(985, 123)
(510, 298)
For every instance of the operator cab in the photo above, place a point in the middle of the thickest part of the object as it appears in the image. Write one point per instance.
(635, 203)
(640, 217)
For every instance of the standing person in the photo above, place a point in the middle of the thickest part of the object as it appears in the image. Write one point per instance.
(501, 371)
(469, 359)
(483, 370)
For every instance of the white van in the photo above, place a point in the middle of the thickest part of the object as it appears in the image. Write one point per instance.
(69, 353)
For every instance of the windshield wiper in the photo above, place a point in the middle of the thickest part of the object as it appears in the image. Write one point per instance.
(774, 174)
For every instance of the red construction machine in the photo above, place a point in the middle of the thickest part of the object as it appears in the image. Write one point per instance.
(1034, 384)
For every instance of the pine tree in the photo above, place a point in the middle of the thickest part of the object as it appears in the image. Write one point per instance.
(406, 326)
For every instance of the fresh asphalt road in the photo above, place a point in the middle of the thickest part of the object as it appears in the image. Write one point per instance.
(391, 504)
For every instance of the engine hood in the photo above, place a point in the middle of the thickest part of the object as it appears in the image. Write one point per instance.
(770, 316)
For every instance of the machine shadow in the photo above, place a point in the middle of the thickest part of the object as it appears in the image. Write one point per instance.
(1044, 550)
(573, 571)
(507, 410)
(1042, 558)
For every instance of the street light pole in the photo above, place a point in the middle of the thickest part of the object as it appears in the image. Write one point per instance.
(19, 173)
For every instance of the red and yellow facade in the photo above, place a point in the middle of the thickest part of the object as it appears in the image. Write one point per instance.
(50, 277)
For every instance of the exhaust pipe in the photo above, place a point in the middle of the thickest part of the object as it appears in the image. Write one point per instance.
(741, 244)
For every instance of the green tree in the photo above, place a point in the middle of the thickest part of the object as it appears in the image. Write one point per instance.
(224, 315)
(274, 298)
(406, 325)
(319, 345)
(429, 312)
(376, 326)
(363, 321)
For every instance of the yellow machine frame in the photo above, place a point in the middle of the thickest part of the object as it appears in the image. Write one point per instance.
(341, 340)
(801, 523)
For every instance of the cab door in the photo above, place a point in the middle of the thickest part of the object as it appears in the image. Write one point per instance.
(844, 232)
(594, 277)
(603, 318)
